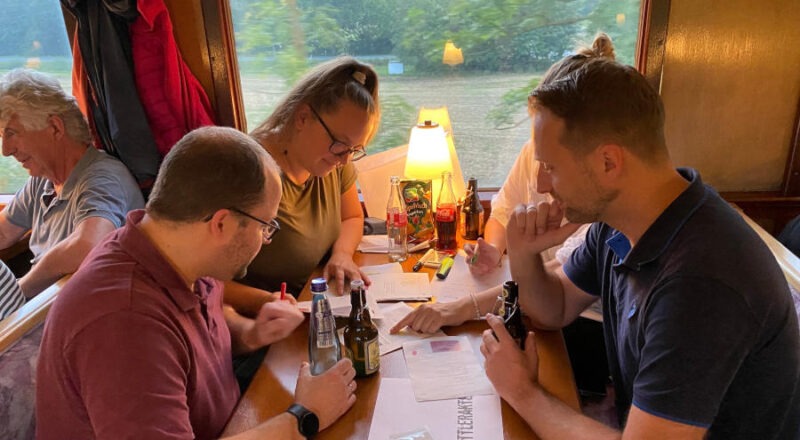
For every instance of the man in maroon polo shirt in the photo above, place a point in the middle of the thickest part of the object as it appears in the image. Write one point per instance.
(138, 344)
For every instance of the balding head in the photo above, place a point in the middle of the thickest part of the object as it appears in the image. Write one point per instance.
(209, 169)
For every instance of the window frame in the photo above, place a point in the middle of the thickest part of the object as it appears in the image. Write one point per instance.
(649, 60)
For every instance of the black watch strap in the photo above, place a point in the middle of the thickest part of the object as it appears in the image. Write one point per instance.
(307, 421)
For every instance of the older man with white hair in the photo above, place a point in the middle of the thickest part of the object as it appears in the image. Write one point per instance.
(76, 194)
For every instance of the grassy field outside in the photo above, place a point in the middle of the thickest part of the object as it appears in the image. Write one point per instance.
(483, 150)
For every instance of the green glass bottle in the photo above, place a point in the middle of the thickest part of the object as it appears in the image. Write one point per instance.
(361, 335)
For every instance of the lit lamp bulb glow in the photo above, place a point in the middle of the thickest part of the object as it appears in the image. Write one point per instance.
(428, 154)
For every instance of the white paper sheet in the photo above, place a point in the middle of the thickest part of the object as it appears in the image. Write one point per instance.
(392, 314)
(374, 244)
(445, 368)
(460, 282)
(397, 412)
(382, 268)
(340, 305)
(400, 287)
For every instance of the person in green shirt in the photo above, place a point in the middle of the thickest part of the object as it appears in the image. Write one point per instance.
(316, 131)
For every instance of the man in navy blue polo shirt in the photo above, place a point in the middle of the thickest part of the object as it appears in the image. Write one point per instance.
(701, 334)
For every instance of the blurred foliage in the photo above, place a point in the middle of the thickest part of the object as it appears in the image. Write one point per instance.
(495, 35)
(397, 118)
(284, 37)
(26, 29)
(501, 114)
(12, 175)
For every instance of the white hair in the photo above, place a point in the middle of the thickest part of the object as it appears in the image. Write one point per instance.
(33, 97)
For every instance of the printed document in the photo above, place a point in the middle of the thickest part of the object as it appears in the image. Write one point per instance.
(398, 413)
(445, 368)
(381, 268)
(460, 282)
(392, 314)
(400, 287)
(340, 305)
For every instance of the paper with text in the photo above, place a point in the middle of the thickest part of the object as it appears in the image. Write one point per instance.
(381, 268)
(445, 368)
(340, 305)
(392, 314)
(400, 287)
(468, 418)
(460, 282)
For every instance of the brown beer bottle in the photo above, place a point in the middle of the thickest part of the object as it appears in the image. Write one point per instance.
(472, 213)
(512, 313)
(361, 335)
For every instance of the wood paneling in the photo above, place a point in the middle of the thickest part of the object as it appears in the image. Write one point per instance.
(731, 87)
(653, 20)
(189, 30)
(771, 210)
(205, 36)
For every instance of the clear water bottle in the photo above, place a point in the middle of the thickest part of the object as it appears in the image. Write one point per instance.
(324, 348)
(396, 223)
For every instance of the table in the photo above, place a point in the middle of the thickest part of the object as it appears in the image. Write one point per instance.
(272, 388)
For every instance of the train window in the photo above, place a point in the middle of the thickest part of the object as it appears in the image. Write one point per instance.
(505, 46)
(32, 35)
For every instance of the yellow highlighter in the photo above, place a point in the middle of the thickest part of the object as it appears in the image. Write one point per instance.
(444, 269)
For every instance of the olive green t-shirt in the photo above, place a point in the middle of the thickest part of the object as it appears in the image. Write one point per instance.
(310, 216)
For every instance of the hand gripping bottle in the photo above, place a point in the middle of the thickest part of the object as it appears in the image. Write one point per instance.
(324, 348)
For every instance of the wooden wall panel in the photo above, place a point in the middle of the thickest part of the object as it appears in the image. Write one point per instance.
(205, 37)
(190, 34)
(731, 87)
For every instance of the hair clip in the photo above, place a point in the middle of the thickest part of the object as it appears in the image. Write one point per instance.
(360, 76)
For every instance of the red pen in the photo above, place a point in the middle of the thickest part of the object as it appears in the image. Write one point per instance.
(283, 291)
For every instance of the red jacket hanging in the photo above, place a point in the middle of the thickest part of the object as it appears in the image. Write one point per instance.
(173, 99)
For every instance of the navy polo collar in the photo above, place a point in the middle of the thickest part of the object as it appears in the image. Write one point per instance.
(661, 233)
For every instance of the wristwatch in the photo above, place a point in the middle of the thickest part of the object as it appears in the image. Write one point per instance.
(307, 421)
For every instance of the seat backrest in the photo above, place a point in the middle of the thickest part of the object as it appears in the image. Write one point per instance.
(20, 338)
(790, 236)
(18, 386)
(373, 177)
(787, 260)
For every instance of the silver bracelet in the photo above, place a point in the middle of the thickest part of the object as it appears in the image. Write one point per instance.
(475, 304)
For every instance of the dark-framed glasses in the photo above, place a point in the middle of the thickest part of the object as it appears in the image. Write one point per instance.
(268, 228)
(337, 147)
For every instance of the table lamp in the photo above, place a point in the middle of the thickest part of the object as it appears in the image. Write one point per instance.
(428, 156)
(441, 116)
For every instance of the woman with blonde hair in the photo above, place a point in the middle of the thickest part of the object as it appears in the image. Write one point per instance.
(315, 132)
